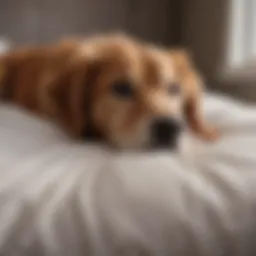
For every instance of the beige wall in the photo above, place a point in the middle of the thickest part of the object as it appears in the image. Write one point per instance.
(36, 21)
(204, 32)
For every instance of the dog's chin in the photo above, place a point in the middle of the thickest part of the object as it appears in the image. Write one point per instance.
(172, 144)
(167, 146)
(149, 146)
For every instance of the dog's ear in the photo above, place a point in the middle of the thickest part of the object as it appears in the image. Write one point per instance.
(72, 93)
(193, 89)
(53, 80)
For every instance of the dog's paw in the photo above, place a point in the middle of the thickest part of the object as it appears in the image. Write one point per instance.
(210, 134)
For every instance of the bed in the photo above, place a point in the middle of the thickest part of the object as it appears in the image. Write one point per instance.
(58, 197)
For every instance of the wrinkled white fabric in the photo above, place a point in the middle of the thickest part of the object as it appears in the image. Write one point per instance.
(61, 198)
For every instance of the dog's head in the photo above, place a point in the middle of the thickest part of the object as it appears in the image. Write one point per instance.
(129, 93)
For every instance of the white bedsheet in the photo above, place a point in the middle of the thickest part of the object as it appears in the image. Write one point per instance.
(60, 198)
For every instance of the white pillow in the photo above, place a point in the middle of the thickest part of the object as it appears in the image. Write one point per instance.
(61, 198)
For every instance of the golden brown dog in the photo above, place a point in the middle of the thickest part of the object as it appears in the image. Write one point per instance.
(129, 93)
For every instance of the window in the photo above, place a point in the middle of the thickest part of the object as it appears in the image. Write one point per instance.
(241, 61)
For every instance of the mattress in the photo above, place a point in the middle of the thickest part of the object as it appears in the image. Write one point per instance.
(59, 197)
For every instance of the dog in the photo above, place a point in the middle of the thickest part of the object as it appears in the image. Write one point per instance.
(128, 93)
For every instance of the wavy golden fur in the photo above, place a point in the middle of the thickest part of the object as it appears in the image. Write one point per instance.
(70, 82)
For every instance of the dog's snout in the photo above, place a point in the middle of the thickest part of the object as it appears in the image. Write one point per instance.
(165, 132)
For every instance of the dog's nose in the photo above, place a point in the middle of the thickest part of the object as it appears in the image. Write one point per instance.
(165, 132)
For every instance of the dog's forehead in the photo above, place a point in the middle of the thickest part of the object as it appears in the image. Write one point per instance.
(144, 64)
(158, 65)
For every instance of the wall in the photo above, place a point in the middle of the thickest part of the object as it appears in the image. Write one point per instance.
(38, 21)
(204, 33)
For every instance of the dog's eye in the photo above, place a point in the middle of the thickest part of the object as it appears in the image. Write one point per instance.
(122, 89)
(174, 89)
